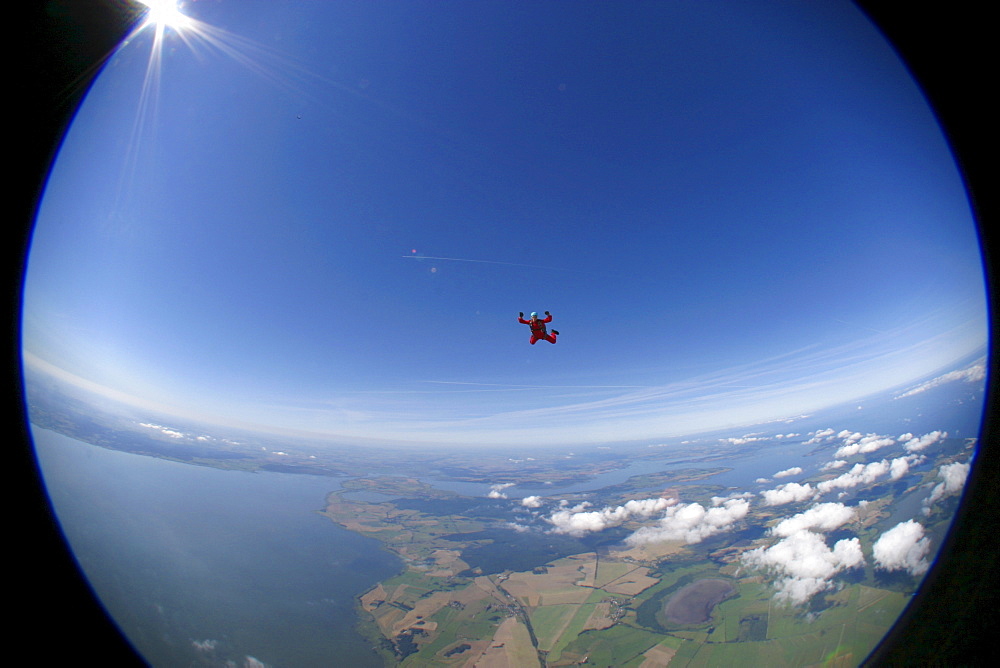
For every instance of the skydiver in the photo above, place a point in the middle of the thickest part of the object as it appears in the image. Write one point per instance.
(538, 327)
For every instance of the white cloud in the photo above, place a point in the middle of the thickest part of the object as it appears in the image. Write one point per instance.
(577, 522)
(971, 374)
(204, 645)
(496, 491)
(166, 431)
(805, 564)
(531, 501)
(954, 477)
(903, 548)
(819, 436)
(900, 466)
(822, 517)
(863, 444)
(918, 444)
(692, 523)
(721, 500)
(795, 470)
(860, 474)
(835, 464)
(792, 492)
(743, 440)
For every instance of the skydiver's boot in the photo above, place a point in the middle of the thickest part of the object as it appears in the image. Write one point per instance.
(555, 332)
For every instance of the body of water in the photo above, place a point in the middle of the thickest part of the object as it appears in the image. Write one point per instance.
(201, 566)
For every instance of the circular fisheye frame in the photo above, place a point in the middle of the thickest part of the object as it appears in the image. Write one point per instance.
(287, 407)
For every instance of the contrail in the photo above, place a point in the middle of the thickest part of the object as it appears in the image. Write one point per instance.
(512, 385)
(462, 259)
(854, 324)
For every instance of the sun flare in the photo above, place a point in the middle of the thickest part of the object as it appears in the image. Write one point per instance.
(165, 14)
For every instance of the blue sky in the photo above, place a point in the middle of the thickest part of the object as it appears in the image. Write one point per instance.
(325, 217)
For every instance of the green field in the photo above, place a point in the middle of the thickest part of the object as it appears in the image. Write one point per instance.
(571, 610)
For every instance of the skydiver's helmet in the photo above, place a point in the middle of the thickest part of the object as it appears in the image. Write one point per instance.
(534, 314)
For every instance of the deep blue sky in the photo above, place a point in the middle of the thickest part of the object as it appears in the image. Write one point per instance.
(734, 211)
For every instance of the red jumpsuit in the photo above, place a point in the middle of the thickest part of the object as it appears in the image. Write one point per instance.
(538, 330)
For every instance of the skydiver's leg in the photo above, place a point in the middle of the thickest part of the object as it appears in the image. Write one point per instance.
(551, 338)
(533, 339)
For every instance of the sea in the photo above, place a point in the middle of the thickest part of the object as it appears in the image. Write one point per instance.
(205, 567)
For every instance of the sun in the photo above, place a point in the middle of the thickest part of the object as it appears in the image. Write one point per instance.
(164, 14)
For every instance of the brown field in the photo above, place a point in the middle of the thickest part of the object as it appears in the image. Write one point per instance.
(658, 656)
(600, 618)
(511, 648)
(423, 609)
(609, 571)
(484, 583)
(447, 563)
(631, 583)
(650, 552)
(386, 617)
(373, 597)
(567, 581)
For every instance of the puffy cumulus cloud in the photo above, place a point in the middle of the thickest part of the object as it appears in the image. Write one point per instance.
(954, 475)
(577, 521)
(496, 491)
(953, 478)
(583, 505)
(914, 444)
(805, 565)
(204, 645)
(692, 522)
(903, 548)
(835, 464)
(743, 440)
(856, 444)
(531, 502)
(792, 492)
(166, 431)
(900, 466)
(975, 373)
(721, 500)
(819, 436)
(860, 474)
(821, 517)
(795, 470)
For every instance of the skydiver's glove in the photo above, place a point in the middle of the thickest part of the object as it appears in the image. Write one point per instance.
(521, 314)
(547, 313)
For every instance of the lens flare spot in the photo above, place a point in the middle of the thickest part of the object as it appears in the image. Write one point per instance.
(166, 13)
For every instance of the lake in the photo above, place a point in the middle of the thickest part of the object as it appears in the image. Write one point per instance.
(200, 566)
